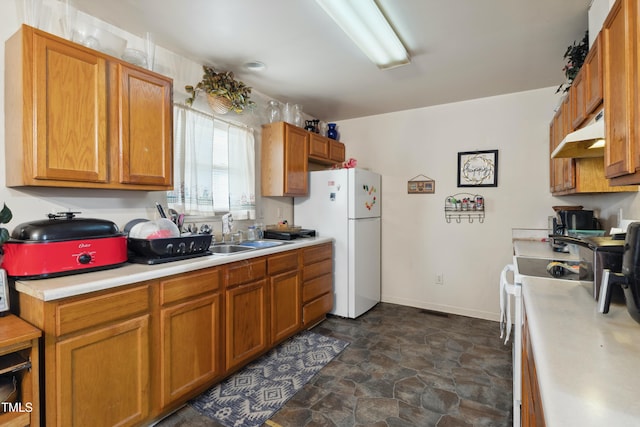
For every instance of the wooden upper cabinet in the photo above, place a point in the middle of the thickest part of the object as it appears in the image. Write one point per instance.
(295, 158)
(336, 151)
(619, 45)
(56, 107)
(578, 98)
(586, 89)
(318, 147)
(75, 117)
(145, 129)
(564, 169)
(285, 153)
(575, 176)
(593, 87)
(325, 150)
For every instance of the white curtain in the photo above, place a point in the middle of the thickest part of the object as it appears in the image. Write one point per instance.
(214, 166)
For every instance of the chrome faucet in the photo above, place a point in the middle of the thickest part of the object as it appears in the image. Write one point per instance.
(227, 225)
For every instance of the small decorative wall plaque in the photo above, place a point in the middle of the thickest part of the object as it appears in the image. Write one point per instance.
(421, 186)
(478, 169)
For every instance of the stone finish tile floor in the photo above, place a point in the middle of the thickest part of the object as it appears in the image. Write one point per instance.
(404, 367)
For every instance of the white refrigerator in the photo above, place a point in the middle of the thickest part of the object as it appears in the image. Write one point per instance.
(345, 204)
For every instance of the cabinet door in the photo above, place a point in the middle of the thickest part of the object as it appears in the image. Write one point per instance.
(578, 99)
(295, 160)
(562, 170)
(145, 128)
(246, 323)
(569, 165)
(619, 44)
(191, 353)
(70, 109)
(552, 162)
(285, 306)
(336, 151)
(593, 88)
(318, 147)
(532, 410)
(105, 368)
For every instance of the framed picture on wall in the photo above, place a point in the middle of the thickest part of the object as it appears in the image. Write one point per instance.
(478, 168)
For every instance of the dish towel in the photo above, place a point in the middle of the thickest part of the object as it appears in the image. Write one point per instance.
(506, 289)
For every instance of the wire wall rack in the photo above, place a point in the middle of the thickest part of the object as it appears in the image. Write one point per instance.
(464, 206)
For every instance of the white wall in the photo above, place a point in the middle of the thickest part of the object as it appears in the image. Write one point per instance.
(30, 204)
(418, 243)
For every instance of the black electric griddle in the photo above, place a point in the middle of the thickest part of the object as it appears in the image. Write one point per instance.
(289, 235)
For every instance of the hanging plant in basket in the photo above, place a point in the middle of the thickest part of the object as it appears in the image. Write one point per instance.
(575, 55)
(224, 92)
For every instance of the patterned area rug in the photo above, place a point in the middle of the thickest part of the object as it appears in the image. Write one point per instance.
(252, 395)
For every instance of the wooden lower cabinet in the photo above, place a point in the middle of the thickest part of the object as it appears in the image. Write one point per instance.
(190, 334)
(104, 368)
(284, 296)
(317, 283)
(246, 312)
(130, 355)
(96, 356)
(532, 411)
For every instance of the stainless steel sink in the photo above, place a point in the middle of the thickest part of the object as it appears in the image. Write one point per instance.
(262, 244)
(229, 249)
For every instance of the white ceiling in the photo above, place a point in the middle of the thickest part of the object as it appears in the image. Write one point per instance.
(460, 49)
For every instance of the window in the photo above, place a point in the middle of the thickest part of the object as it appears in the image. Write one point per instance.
(214, 166)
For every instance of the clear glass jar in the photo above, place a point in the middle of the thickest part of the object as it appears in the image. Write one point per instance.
(298, 120)
(259, 230)
(287, 113)
(251, 232)
(274, 112)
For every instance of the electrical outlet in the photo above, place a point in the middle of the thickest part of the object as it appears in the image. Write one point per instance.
(439, 279)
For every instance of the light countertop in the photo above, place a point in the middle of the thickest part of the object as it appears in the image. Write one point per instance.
(587, 362)
(68, 286)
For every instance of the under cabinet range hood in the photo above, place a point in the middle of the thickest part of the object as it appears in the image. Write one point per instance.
(585, 142)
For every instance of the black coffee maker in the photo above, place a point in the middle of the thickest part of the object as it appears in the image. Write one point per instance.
(574, 220)
(629, 278)
(567, 220)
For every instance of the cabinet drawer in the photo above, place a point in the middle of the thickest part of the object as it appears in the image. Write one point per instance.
(284, 262)
(316, 287)
(246, 271)
(189, 285)
(317, 309)
(85, 313)
(318, 269)
(317, 253)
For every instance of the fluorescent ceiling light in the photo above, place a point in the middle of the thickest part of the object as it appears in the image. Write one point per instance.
(365, 24)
